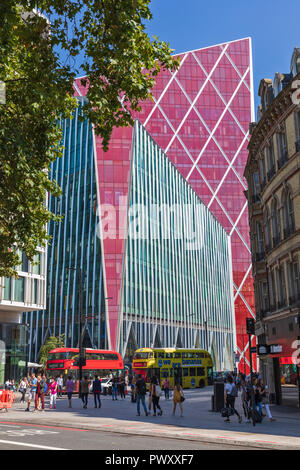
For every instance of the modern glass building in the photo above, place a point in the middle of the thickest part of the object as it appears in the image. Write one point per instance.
(74, 253)
(199, 117)
(177, 280)
(176, 277)
(25, 293)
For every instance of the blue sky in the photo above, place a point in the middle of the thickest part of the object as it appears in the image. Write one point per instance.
(273, 26)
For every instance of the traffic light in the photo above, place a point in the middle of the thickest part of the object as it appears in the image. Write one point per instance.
(80, 361)
(250, 326)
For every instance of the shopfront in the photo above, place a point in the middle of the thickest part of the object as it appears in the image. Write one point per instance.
(13, 351)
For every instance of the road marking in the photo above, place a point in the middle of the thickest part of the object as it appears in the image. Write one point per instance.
(30, 445)
(49, 427)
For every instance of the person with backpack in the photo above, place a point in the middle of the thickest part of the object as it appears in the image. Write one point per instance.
(155, 394)
(231, 394)
(140, 391)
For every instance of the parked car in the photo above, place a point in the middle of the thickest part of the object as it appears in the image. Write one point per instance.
(106, 386)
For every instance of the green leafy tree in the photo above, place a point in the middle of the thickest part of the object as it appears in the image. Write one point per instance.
(52, 342)
(108, 41)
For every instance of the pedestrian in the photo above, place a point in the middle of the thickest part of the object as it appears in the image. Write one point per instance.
(245, 396)
(23, 385)
(40, 392)
(70, 388)
(114, 388)
(84, 388)
(13, 386)
(122, 387)
(132, 386)
(231, 393)
(7, 385)
(155, 394)
(257, 396)
(140, 390)
(166, 388)
(32, 390)
(60, 384)
(53, 393)
(97, 391)
(178, 398)
(264, 390)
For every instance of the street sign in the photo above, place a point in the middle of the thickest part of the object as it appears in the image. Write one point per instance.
(262, 349)
(253, 350)
(275, 348)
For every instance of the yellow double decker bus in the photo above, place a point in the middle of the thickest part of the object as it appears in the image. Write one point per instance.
(193, 367)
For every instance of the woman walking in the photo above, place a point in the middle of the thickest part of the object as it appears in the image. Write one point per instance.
(178, 398)
(155, 394)
(70, 387)
(53, 393)
(230, 396)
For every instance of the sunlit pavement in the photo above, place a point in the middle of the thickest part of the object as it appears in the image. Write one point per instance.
(197, 424)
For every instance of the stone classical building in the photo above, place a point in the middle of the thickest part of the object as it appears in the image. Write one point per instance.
(273, 175)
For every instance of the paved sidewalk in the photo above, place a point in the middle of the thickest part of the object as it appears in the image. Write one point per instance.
(197, 424)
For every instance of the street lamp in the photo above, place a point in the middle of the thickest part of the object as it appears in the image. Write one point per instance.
(80, 330)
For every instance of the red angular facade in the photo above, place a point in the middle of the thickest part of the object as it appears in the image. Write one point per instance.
(200, 117)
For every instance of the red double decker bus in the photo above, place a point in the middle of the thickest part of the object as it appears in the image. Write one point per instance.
(104, 363)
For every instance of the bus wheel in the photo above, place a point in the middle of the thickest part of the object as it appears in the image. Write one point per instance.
(201, 383)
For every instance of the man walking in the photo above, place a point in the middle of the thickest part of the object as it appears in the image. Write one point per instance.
(97, 391)
(84, 391)
(32, 391)
(140, 388)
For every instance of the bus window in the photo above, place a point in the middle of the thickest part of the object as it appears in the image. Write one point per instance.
(177, 355)
(171, 372)
(185, 355)
(164, 373)
(169, 355)
(192, 371)
(161, 355)
(185, 372)
(191, 355)
(141, 355)
(155, 355)
(200, 371)
(200, 355)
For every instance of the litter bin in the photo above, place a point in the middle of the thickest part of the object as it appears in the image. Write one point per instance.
(218, 402)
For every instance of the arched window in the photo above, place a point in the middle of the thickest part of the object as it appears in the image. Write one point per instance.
(267, 227)
(276, 233)
(288, 213)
